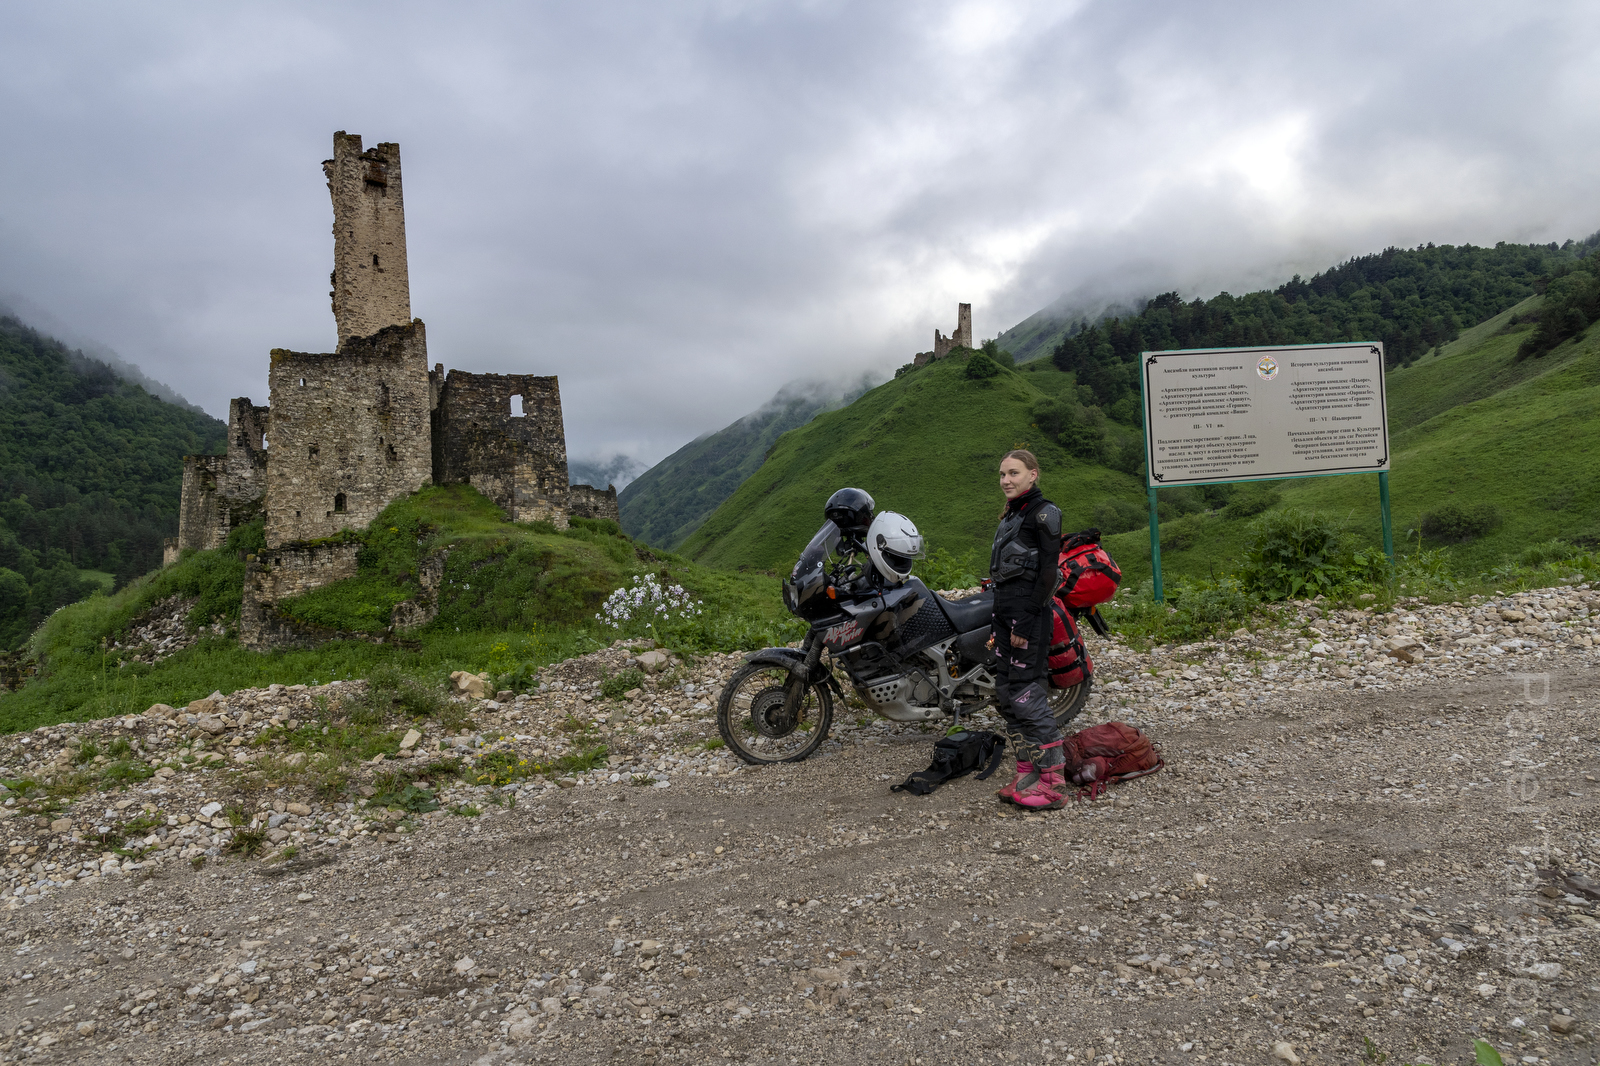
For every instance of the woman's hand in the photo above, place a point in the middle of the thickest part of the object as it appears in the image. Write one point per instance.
(1018, 640)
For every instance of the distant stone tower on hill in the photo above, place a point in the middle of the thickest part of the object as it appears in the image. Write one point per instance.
(371, 289)
(942, 345)
(349, 432)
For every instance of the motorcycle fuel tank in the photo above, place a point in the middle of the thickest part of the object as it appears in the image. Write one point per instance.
(873, 619)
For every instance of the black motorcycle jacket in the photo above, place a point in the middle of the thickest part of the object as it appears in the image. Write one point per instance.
(1025, 559)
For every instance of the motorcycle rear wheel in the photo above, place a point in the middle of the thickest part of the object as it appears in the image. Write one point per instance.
(1067, 703)
(752, 723)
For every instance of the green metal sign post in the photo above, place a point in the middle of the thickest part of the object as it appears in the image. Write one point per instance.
(1225, 415)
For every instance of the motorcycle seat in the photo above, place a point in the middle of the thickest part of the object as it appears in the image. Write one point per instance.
(974, 612)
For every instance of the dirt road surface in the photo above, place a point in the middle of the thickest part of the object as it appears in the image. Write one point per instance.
(1411, 865)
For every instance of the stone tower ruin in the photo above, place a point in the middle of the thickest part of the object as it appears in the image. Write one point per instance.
(942, 345)
(351, 433)
(346, 433)
(371, 289)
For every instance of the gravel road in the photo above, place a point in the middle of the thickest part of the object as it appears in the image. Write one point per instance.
(1347, 846)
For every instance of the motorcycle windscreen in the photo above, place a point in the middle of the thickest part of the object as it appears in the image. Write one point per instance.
(810, 575)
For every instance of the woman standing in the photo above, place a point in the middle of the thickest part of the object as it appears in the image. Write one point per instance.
(1023, 566)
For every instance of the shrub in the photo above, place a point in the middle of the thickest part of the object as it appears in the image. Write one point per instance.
(1001, 356)
(980, 367)
(1251, 502)
(1194, 610)
(1453, 524)
(1119, 516)
(1072, 426)
(1206, 607)
(1127, 456)
(1185, 499)
(941, 570)
(1183, 534)
(1292, 553)
(390, 688)
(1551, 551)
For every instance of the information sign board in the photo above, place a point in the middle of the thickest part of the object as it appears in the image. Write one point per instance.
(1248, 414)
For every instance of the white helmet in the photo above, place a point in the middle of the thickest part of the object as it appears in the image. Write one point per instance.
(892, 542)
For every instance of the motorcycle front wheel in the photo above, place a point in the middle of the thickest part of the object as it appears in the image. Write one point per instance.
(751, 718)
(1067, 703)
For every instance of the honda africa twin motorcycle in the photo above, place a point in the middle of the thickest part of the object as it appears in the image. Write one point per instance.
(911, 656)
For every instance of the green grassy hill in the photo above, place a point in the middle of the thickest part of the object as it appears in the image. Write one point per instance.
(926, 444)
(669, 501)
(1412, 299)
(1471, 425)
(515, 596)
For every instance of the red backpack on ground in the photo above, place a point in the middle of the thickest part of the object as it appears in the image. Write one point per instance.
(1088, 574)
(1103, 754)
(1069, 659)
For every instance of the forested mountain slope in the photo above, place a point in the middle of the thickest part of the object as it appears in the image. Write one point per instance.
(91, 471)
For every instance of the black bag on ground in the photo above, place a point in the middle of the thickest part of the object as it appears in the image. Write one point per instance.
(957, 755)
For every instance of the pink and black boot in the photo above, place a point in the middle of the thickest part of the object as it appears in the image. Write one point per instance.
(1047, 791)
(1026, 776)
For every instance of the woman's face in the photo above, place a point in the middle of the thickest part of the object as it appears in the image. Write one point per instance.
(1015, 479)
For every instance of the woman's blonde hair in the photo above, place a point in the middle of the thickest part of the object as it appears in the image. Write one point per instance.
(1027, 459)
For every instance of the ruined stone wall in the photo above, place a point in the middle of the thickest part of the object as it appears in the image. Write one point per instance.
(350, 433)
(223, 491)
(200, 521)
(519, 461)
(247, 447)
(279, 573)
(586, 501)
(371, 287)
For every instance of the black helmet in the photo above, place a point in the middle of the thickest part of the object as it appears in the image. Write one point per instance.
(850, 510)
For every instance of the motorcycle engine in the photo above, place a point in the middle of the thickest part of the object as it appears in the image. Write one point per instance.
(922, 689)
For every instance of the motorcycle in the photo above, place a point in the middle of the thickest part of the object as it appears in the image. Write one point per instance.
(909, 654)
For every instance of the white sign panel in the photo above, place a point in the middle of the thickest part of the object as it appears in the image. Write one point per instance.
(1246, 414)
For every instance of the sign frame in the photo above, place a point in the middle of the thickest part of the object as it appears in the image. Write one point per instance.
(1153, 480)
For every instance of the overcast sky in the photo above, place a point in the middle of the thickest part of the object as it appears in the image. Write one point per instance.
(678, 207)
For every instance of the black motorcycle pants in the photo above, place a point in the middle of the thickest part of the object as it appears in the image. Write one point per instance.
(1022, 693)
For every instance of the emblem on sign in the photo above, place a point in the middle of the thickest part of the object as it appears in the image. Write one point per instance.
(1267, 368)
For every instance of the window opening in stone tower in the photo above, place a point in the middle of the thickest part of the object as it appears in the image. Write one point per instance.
(516, 406)
(312, 452)
(374, 260)
(302, 382)
(383, 396)
(338, 504)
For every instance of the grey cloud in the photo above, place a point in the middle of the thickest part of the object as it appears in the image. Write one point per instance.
(678, 207)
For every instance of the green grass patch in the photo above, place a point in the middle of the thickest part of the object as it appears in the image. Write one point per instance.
(410, 798)
(581, 762)
(518, 596)
(125, 772)
(626, 680)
